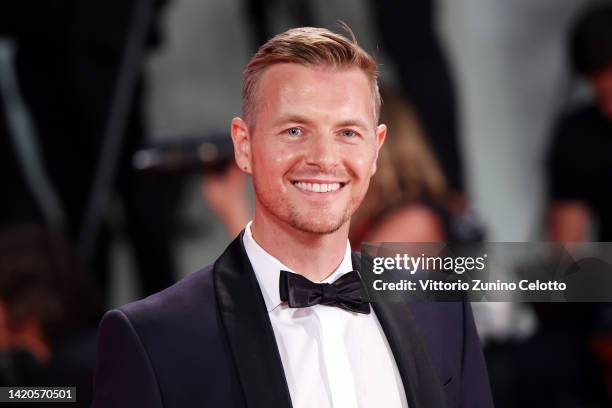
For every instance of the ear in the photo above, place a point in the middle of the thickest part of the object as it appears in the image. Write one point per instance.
(381, 134)
(242, 144)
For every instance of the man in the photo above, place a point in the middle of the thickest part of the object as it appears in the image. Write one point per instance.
(227, 336)
(579, 161)
(579, 170)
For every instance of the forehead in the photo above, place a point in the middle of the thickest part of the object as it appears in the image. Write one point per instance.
(289, 88)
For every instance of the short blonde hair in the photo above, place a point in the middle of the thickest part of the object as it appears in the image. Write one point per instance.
(308, 46)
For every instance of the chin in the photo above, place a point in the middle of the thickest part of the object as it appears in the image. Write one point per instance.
(321, 228)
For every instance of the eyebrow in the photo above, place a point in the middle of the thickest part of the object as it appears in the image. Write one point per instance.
(353, 122)
(293, 118)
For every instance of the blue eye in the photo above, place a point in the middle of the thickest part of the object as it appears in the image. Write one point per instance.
(348, 133)
(294, 132)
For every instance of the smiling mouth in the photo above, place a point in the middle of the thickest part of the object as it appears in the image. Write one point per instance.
(318, 187)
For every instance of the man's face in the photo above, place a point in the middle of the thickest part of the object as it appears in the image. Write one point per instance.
(602, 82)
(313, 146)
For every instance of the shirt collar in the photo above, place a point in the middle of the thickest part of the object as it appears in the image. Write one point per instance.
(267, 268)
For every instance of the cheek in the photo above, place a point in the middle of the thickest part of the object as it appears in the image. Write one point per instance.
(272, 163)
(363, 165)
(360, 162)
(284, 158)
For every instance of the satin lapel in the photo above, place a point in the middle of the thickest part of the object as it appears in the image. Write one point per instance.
(421, 383)
(249, 331)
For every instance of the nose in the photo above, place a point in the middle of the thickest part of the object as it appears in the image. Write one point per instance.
(323, 152)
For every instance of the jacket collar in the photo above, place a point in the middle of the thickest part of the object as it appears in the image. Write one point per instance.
(251, 339)
(421, 382)
(249, 331)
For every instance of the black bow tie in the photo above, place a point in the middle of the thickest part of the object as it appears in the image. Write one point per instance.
(346, 292)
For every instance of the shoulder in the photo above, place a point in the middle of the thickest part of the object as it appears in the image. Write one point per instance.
(572, 125)
(178, 312)
(170, 325)
(162, 345)
(194, 288)
(578, 151)
(579, 115)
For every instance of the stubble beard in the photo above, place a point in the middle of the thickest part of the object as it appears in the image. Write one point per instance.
(318, 223)
(306, 224)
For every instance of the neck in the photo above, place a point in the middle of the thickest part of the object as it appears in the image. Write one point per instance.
(314, 256)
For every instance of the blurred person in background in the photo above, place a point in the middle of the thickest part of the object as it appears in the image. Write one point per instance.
(574, 337)
(579, 161)
(405, 201)
(49, 308)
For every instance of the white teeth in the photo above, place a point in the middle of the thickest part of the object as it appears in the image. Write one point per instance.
(317, 187)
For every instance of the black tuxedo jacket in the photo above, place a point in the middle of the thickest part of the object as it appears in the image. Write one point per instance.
(207, 341)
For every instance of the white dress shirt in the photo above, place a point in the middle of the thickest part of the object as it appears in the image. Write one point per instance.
(331, 357)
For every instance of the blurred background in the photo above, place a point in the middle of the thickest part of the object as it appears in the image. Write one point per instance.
(117, 175)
